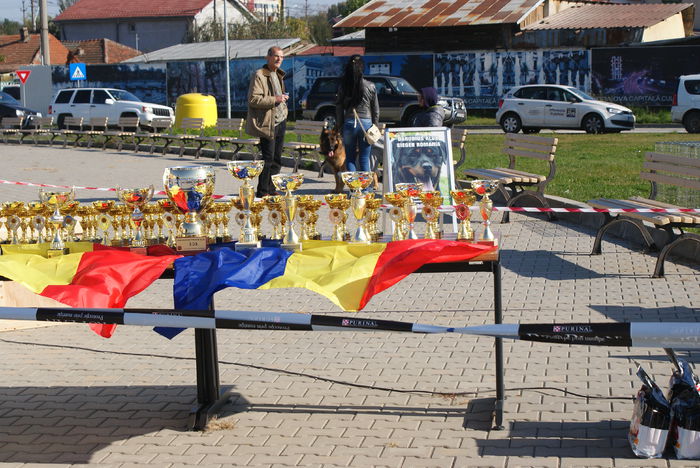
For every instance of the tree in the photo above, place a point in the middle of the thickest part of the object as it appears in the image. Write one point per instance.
(320, 31)
(213, 31)
(64, 4)
(9, 27)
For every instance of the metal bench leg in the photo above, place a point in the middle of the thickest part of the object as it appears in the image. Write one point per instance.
(506, 214)
(659, 269)
(651, 245)
(529, 193)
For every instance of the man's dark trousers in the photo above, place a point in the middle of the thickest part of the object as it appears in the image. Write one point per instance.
(272, 155)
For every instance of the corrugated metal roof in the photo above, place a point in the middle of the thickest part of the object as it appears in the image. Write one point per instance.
(609, 16)
(436, 13)
(104, 9)
(215, 50)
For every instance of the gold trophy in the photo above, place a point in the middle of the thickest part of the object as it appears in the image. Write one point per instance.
(135, 199)
(104, 221)
(338, 203)
(57, 200)
(485, 188)
(190, 188)
(431, 202)
(276, 216)
(372, 217)
(288, 183)
(12, 212)
(396, 200)
(409, 190)
(246, 171)
(39, 213)
(465, 198)
(357, 181)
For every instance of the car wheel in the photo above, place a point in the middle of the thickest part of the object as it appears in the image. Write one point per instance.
(61, 121)
(531, 130)
(328, 117)
(511, 123)
(691, 122)
(593, 123)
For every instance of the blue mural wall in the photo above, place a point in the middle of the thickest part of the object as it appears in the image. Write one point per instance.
(631, 75)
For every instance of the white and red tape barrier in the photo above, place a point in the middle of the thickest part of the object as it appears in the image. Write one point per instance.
(446, 208)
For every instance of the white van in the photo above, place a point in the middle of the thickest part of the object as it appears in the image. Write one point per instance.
(686, 103)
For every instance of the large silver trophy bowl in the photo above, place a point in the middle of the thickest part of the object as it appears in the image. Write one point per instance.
(246, 171)
(190, 188)
(485, 188)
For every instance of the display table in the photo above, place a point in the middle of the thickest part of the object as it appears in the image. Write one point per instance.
(211, 396)
(348, 274)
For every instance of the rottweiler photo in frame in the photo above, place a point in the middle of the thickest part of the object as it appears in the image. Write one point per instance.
(419, 154)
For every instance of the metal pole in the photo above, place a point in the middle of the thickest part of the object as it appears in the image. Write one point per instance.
(44, 33)
(228, 71)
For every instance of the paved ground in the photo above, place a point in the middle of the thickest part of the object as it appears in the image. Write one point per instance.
(343, 399)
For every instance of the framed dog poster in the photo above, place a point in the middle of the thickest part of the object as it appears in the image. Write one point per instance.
(419, 154)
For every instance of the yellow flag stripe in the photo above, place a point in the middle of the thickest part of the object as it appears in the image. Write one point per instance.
(36, 272)
(336, 270)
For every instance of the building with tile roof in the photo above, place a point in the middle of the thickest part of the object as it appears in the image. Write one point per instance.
(19, 50)
(99, 51)
(441, 25)
(144, 25)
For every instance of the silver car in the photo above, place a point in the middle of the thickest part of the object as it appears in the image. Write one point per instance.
(533, 107)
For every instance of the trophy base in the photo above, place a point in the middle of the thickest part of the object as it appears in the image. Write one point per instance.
(291, 247)
(246, 245)
(139, 250)
(493, 241)
(191, 245)
(57, 252)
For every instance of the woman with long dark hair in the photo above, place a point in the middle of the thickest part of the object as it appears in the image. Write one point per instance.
(356, 109)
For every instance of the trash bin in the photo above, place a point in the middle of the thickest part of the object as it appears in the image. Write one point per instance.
(196, 105)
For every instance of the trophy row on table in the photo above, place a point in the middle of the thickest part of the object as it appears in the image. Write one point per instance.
(189, 218)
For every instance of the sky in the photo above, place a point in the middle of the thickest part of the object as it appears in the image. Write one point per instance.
(12, 9)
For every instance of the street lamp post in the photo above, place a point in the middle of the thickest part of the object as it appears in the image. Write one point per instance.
(228, 71)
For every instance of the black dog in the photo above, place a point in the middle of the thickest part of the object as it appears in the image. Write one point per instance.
(421, 164)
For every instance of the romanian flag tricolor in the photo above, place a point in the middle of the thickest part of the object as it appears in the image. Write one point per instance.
(91, 276)
(347, 274)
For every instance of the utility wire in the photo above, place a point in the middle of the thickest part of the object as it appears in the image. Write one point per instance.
(327, 379)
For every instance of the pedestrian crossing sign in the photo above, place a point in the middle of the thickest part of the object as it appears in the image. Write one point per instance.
(77, 72)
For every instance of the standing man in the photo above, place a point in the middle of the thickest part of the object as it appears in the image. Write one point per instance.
(267, 116)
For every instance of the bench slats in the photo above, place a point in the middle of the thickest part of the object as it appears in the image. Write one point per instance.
(672, 159)
(659, 219)
(517, 139)
(666, 179)
(528, 154)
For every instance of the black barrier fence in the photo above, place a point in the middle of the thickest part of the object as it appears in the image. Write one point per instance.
(639, 76)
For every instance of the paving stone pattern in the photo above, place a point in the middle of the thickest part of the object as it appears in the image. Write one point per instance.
(343, 399)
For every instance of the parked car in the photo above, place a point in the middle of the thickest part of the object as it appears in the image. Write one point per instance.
(533, 107)
(11, 107)
(398, 101)
(686, 103)
(105, 102)
(12, 90)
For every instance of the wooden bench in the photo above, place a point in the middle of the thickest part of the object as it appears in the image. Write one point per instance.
(11, 126)
(126, 128)
(161, 127)
(38, 126)
(515, 184)
(191, 130)
(94, 127)
(305, 128)
(72, 126)
(224, 128)
(670, 173)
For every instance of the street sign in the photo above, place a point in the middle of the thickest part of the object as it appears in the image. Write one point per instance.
(23, 75)
(77, 72)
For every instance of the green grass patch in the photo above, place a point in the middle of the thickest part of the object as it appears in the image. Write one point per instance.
(588, 166)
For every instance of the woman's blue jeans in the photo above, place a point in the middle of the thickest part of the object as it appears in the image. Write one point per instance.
(357, 149)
